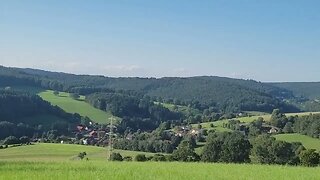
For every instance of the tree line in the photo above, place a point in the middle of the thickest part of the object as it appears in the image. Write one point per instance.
(136, 111)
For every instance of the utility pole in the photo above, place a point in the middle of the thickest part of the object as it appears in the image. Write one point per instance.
(110, 137)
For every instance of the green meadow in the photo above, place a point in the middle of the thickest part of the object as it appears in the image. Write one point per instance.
(84, 170)
(59, 152)
(308, 142)
(58, 161)
(70, 105)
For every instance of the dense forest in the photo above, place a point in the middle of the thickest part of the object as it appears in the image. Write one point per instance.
(224, 94)
(310, 90)
(23, 114)
(137, 111)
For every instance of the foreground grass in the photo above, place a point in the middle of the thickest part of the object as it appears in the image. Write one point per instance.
(308, 142)
(150, 170)
(57, 161)
(76, 106)
(58, 152)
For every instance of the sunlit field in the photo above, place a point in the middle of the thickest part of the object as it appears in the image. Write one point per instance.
(64, 101)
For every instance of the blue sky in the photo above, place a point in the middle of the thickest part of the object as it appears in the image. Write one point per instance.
(265, 40)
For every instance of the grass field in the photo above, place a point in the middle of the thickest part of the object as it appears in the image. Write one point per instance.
(76, 106)
(58, 152)
(57, 161)
(308, 142)
(150, 170)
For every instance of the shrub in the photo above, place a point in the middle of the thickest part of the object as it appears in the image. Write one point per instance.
(140, 158)
(127, 158)
(159, 157)
(169, 158)
(149, 158)
(74, 95)
(56, 93)
(309, 158)
(116, 157)
(82, 155)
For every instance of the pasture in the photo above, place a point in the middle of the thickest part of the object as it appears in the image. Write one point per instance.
(150, 170)
(59, 152)
(70, 105)
(307, 142)
(58, 161)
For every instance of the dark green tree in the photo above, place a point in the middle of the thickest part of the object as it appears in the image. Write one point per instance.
(309, 158)
(278, 119)
(140, 158)
(185, 152)
(116, 157)
(226, 147)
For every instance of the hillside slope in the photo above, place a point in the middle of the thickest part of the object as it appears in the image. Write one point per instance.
(310, 90)
(225, 94)
(64, 101)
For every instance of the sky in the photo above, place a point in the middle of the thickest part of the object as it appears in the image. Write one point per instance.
(265, 40)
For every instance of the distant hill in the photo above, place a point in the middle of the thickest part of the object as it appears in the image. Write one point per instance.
(310, 90)
(220, 93)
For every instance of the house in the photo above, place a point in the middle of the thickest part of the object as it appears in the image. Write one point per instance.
(93, 134)
(274, 130)
(85, 142)
(81, 127)
(194, 132)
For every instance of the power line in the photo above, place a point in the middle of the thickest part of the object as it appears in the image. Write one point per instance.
(110, 137)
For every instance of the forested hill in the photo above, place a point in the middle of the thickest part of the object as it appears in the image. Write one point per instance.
(219, 93)
(310, 90)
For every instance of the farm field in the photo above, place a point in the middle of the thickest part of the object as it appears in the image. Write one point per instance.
(150, 170)
(58, 152)
(76, 106)
(308, 142)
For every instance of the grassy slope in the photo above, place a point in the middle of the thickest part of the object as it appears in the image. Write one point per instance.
(308, 142)
(76, 106)
(150, 170)
(58, 152)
